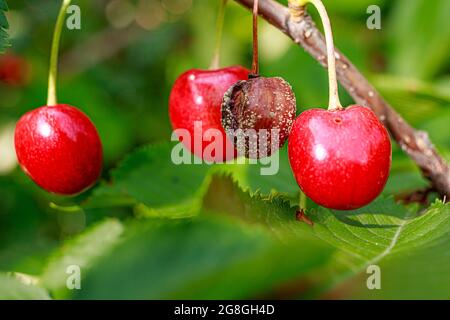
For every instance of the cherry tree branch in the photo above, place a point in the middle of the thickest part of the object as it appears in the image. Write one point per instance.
(301, 29)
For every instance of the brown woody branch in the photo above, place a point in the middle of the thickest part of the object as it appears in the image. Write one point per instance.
(302, 30)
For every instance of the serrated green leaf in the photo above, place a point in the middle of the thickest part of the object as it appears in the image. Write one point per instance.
(149, 176)
(3, 5)
(11, 288)
(204, 257)
(3, 21)
(3, 25)
(415, 263)
(81, 251)
(273, 211)
(379, 233)
(383, 232)
(250, 177)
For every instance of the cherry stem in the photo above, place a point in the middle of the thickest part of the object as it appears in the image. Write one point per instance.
(334, 103)
(255, 65)
(215, 63)
(302, 200)
(53, 72)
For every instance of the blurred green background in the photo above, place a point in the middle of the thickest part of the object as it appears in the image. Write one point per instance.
(119, 69)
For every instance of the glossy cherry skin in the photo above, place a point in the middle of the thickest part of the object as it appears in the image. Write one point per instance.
(59, 148)
(197, 97)
(340, 159)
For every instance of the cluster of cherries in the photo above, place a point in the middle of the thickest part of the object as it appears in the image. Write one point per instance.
(340, 157)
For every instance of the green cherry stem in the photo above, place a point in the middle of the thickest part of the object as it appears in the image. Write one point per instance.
(334, 103)
(215, 63)
(255, 64)
(302, 201)
(53, 72)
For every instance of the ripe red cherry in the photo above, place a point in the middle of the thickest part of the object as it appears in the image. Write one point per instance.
(197, 96)
(59, 148)
(340, 158)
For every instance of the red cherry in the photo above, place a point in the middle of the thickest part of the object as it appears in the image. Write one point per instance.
(14, 70)
(340, 158)
(59, 148)
(197, 96)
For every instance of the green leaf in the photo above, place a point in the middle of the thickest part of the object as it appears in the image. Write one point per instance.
(149, 176)
(405, 177)
(273, 211)
(12, 288)
(384, 233)
(3, 25)
(420, 37)
(203, 257)
(438, 128)
(415, 263)
(402, 183)
(429, 99)
(250, 177)
(82, 251)
(23, 243)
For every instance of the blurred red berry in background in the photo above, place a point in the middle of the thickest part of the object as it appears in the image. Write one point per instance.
(14, 70)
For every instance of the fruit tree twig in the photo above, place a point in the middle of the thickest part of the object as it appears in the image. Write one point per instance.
(302, 30)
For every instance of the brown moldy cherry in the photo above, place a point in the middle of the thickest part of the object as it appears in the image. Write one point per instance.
(258, 103)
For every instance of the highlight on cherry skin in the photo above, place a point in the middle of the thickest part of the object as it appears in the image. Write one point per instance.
(197, 97)
(340, 158)
(59, 148)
